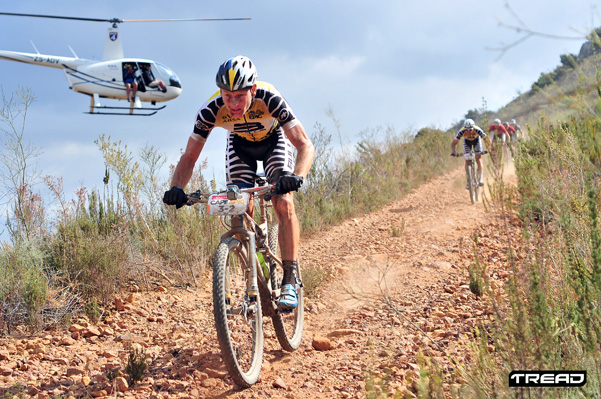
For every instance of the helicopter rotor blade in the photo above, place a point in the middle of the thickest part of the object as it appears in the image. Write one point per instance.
(188, 19)
(113, 20)
(117, 20)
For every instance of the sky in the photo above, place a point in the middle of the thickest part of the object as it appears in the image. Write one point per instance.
(382, 63)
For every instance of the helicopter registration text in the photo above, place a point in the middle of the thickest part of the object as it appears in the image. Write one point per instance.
(47, 60)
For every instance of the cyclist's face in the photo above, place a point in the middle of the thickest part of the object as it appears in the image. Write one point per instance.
(238, 101)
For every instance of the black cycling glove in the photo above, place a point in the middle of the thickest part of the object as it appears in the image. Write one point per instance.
(288, 183)
(175, 196)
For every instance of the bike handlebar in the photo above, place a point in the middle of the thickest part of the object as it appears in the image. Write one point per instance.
(200, 197)
(458, 154)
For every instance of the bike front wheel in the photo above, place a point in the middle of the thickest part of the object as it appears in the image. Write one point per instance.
(472, 184)
(238, 316)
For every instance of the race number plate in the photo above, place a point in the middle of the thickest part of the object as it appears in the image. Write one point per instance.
(219, 205)
(469, 156)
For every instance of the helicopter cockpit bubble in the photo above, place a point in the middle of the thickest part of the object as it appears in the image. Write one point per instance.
(168, 75)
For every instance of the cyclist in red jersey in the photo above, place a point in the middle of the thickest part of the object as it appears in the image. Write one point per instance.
(510, 129)
(500, 133)
(512, 136)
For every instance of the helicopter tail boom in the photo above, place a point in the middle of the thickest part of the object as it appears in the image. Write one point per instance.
(51, 61)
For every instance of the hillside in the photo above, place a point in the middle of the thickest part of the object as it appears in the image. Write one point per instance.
(571, 89)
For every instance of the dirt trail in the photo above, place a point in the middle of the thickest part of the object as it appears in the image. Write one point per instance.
(416, 250)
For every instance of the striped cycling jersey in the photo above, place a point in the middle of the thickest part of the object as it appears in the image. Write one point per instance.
(468, 134)
(268, 111)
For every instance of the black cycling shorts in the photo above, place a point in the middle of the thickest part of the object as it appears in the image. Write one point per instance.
(242, 156)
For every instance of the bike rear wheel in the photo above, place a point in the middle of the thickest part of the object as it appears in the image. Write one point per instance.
(288, 325)
(238, 317)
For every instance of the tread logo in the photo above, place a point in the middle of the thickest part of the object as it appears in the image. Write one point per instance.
(532, 378)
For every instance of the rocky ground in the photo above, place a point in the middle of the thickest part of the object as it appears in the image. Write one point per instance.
(400, 287)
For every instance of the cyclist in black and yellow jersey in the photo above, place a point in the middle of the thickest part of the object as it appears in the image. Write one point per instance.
(261, 127)
(472, 136)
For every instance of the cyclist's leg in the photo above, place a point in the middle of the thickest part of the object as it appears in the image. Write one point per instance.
(289, 237)
(466, 148)
(279, 161)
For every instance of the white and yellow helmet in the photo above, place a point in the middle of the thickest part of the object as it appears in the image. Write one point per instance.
(468, 123)
(236, 73)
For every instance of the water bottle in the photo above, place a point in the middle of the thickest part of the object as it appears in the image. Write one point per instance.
(263, 264)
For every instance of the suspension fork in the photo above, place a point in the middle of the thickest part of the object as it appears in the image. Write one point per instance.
(248, 240)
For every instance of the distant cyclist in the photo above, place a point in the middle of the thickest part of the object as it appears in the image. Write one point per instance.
(472, 136)
(512, 136)
(500, 133)
(517, 128)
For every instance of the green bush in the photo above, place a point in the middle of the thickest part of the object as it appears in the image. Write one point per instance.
(23, 283)
(136, 364)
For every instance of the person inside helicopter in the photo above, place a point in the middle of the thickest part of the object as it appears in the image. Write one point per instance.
(129, 80)
(149, 78)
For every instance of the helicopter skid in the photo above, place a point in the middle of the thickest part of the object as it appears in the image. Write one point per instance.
(131, 111)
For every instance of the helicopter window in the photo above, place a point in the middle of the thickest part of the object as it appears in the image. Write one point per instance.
(172, 77)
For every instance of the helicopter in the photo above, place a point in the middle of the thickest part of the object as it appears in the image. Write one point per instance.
(105, 79)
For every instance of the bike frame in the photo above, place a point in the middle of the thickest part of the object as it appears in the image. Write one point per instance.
(248, 237)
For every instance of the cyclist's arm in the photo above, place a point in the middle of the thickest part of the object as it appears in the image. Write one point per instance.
(185, 166)
(305, 150)
(454, 144)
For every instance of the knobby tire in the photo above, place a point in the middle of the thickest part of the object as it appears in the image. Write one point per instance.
(471, 182)
(288, 325)
(477, 183)
(238, 318)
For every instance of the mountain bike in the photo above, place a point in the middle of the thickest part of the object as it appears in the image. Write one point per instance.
(247, 279)
(473, 182)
